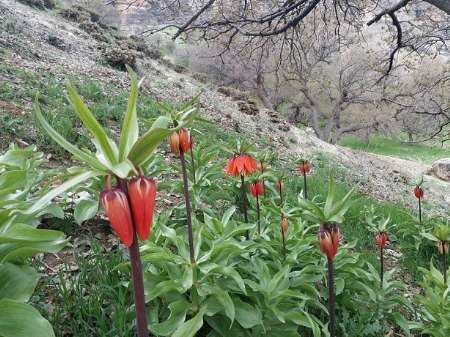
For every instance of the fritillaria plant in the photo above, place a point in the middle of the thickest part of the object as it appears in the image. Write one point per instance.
(180, 143)
(129, 196)
(380, 227)
(328, 216)
(242, 164)
(257, 190)
(419, 193)
(304, 168)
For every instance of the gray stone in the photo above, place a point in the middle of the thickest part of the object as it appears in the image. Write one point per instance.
(441, 169)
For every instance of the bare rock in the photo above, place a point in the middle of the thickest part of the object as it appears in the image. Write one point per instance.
(248, 107)
(41, 4)
(441, 169)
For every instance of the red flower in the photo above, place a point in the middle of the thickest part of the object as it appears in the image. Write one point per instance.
(304, 167)
(329, 237)
(241, 164)
(418, 192)
(117, 209)
(443, 247)
(279, 185)
(142, 192)
(180, 141)
(257, 188)
(261, 167)
(381, 239)
(284, 224)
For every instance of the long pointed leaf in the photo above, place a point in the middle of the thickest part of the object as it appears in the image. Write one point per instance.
(47, 198)
(77, 153)
(107, 146)
(130, 127)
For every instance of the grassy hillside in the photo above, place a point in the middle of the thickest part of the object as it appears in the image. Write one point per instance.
(396, 148)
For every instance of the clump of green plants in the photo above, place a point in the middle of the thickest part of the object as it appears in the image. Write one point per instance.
(216, 262)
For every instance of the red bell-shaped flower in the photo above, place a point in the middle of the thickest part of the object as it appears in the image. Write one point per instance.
(257, 188)
(304, 167)
(418, 192)
(180, 141)
(142, 193)
(241, 164)
(185, 140)
(117, 209)
(279, 185)
(381, 239)
(329, 238)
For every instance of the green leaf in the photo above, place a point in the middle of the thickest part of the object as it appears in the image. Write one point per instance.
(85, 209)
(77, 153)
(106, 145)
(227, 304)
(247, 315)
(190, 328)
(146, 145)
(22, 320)
(22, 241)
(130, 127)
(177, 316)
(17, 282)
(49, 196)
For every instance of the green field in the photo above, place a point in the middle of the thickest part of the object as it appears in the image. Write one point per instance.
(396, 148)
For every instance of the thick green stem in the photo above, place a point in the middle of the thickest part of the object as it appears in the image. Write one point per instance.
(331, 300)
(244, 204)
(188, 208)
(138, 282)
(305, 186)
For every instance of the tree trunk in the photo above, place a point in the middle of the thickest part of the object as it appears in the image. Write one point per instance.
(262, 92)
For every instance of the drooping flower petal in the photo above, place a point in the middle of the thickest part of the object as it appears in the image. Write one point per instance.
(142, 192)
(117, 209)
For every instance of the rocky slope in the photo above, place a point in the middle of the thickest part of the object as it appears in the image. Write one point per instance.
(70, 43)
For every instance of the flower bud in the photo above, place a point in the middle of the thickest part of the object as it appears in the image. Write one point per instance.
(279, 185)
(180, 141)
(443, 247)
(418, 192)
(304, 167)
(142, 193)
(117, 209)
(284, 225)
(257, 188)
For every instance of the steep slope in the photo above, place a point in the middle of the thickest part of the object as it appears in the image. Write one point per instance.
(77, 45)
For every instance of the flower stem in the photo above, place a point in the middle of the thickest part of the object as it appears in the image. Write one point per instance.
(381, 266)
(284, 243)
(420, 211)
(138, 282)
(244, 204)
(305, 185)
(188, 208)
(258, 215)
(331, 300)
